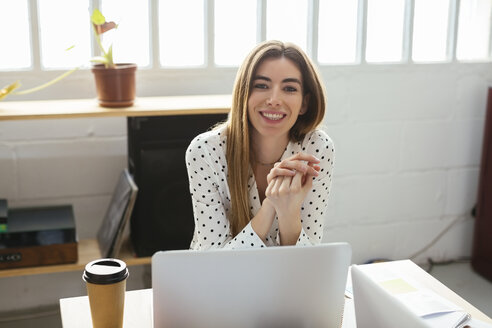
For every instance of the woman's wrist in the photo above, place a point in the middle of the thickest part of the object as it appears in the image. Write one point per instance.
(289, 230)
(263, 220)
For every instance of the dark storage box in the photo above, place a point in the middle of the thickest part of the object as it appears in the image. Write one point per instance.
(39, 236)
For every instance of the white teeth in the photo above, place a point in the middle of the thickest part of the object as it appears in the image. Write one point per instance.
(274, 117)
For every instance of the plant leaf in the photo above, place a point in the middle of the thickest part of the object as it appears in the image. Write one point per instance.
(109, 56)
(47, 84)
(99, 59)
(8, 89)
(97, 17)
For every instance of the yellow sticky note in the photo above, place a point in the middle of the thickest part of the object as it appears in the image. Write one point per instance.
(397, 286)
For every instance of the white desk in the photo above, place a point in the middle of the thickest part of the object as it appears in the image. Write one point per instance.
(75, 311)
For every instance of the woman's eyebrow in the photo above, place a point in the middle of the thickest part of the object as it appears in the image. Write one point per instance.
(261, 77)
(292, 79)
(287, 80)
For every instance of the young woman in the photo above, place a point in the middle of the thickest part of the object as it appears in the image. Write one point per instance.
(263, 177)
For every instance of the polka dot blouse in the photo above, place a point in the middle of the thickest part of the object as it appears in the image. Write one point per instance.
(207, 173)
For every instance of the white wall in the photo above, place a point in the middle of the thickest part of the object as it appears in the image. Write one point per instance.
(408, 141)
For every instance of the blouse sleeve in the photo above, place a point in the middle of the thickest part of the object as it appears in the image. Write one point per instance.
(314, 207)
(205, 174)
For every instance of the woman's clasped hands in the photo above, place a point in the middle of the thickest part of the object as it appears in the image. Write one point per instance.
(289, 181)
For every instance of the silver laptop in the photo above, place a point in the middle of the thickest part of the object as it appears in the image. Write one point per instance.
(268, 287)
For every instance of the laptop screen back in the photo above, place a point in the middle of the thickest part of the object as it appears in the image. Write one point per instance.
(268, 287)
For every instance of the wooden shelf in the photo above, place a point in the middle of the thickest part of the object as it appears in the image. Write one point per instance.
(145, 106)
(88, 251)
(83, 108)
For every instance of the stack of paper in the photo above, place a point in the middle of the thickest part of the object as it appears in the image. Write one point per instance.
(434, 309)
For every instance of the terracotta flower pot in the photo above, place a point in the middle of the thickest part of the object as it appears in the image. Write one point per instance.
(115, 86)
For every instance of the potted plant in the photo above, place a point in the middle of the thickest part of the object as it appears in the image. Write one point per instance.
(115, 83)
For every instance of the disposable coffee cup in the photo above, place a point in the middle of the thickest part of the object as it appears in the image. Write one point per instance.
(106, 284)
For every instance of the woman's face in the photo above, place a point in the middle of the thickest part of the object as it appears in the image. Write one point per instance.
(276, 98)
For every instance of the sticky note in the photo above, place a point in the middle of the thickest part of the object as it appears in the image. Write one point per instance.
(397, 286)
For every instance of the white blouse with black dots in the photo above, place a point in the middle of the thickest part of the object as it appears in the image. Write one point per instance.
(207, 172)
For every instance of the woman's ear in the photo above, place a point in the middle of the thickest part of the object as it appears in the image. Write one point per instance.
(304, 106)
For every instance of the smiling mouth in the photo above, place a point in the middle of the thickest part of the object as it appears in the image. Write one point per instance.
(273, 116)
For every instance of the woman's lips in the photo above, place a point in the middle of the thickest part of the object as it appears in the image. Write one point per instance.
(273, 116)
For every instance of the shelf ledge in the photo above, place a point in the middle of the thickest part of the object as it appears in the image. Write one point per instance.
(144, 106)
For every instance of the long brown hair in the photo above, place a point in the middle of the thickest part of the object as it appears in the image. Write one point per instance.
(238, 153)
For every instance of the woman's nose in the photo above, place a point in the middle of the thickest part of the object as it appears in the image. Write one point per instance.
(274, 98)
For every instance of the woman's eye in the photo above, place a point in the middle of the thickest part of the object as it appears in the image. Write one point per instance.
(290, 89)
(261, 86)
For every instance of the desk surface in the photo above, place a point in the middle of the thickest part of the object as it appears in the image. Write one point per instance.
(75, 311)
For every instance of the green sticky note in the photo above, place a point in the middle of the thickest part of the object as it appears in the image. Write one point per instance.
(3, 228)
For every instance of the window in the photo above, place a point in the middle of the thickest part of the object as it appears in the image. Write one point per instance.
(18, 54)
(215, 35)
(385, 30)
(430, 30)
(235, 30)
(64, 24)
(287, 21)
(131, 40)
(474, 30)
(337, 31)
(181, 33)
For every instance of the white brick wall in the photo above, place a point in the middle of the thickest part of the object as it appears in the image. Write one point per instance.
(408, 148)
(408, 141)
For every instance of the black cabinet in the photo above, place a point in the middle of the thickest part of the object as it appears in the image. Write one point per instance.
(162, 218)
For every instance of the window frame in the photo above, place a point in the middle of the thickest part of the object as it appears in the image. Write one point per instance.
(211, 71)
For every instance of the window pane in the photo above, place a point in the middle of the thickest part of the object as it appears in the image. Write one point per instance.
(63, 24)
(235, 30)
(287, 21)
(430, 30)
(337, 31)
(14, 13)
(131, 39)
(384, 30)
(473, 30)
(181, 32)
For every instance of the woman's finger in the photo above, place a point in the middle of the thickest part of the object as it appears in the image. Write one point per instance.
(296, 182)
(305, 157)
(276, 186)
(275, 172)
(269, 188)
(299, 166)
(284, 187)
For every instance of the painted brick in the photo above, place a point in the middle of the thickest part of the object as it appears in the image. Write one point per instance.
(427, 145)
(387, 96)
(365, 147)
(471, 98)
(461, 193)
(8, 172)
(337, 100)
(388, 198)
(404, 239)
(26, 130)
(70, 168)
